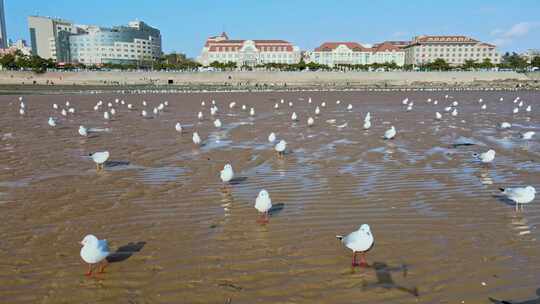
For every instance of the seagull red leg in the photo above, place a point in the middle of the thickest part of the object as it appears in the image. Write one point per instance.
(89, 273)
(104, 264)
(363, 261)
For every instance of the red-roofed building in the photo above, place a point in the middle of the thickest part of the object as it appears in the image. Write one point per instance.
(248, 52)
(453, 49)
(334, 53)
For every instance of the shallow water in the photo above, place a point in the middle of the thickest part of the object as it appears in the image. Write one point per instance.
(440, 230)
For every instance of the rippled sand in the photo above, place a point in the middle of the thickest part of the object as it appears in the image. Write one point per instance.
(440, 231)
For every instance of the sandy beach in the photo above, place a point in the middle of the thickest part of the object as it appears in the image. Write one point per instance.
(442, 233)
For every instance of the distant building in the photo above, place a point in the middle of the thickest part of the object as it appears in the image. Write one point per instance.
(453, 49)
(3, 34)
(353, 53)
(20, 45)
(136, 43)
(530, 54)
(248, 52)
(66, 42)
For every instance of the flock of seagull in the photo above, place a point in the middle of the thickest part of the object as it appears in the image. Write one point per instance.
(95, 251)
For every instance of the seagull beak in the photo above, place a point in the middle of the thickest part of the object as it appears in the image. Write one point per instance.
(81, 243)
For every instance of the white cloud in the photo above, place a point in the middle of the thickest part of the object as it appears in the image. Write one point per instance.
(518, 30)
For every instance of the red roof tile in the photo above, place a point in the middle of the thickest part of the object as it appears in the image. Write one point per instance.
(329, 46)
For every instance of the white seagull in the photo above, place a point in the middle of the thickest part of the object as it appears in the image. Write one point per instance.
(178, 127)
(52, 122)
(263, 203)
(294, 117)
(196, 139)
(520, 195)
(390, 133)
(438, 116)
(227, 174)
(64, 112)
(217, 123)
(310, 122)
(529, 108)
(360, 241)
(106, 115)
(349, 107)
(272, 137)
(83, 131)
(94, 252)
(200, 115)
(281, 147)
(252, 112)
(21, 111)
(486, 157)
(55, 106)
(317, 110)
(100, 158)
(505, 125)
(528, 135)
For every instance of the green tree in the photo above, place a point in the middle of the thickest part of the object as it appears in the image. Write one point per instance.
(438, 64)
(513, 61)
(535, 62)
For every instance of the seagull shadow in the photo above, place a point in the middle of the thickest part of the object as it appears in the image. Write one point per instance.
(276, 209)
(531, 301)
(116, 163)
(385, 280)
(457, 145)
(238, 180)
(503, 199)
(125, 252)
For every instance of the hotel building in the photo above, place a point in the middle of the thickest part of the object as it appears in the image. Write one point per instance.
(66, 42)
(453, 49)
(353, 53)
(248, 52)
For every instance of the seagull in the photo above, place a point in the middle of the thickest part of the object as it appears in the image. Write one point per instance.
(360, 241)
(161, 107)
(93, 252)
(436, 102)
(130, 106)
(52, 122)
(64, 113)
(520, 195)
(480, 100)
(294, 117)
(276, 106)
(272, 137)
(100, 158)
(144, 103)
(501, 99)
(217, 123)
(505, 125)
(409, 107)
(83, 131)
(244, 107)
(116, 100)
(520, 104)
(22, 105)
(438, 116)
(200, 115)
(429, 100)
(516, 110)
(166, 103)
(196, 139)
(113, 111)
(528, 109)
(232, 104)
(282, 101)
(155, 111)
(109, 105)
(263, 203)
(368, 116)
(178, 127)
(203, 104)
(96, 107)
(71, 110)
(252, 112)
(21, 111)
(310, 122)
(404, 101)
(455, 103)
(213, 102)
(100, 103)
(447, 109)
(290, 104)
(106, 115)
(323, 104)
(455, 112)
(67, 103)
(483, 107)
(317, 110)
(486, 157)
(528, 135)
(367, 124)
(20, 98)
(227, 174)
(122, 102)
(280, 147)
(349, 107)
(143, 113)
(309, 100)
(390, 133)
(213, 110)
(55, 106)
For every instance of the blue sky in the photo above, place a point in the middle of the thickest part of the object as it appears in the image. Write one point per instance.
(184, 25)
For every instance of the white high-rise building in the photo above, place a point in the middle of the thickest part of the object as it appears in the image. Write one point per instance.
(49, 37)
(3, 35)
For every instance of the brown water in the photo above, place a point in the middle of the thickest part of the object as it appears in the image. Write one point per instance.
(439, 230)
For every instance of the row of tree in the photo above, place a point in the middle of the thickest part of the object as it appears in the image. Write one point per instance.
(176, 61)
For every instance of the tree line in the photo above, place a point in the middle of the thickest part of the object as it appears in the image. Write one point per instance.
(179, 62)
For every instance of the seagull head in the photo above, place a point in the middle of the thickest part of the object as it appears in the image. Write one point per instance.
(89, 240)
(365, 228)
(531, 189)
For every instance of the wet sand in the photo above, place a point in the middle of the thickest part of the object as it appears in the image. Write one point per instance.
(439, 230)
